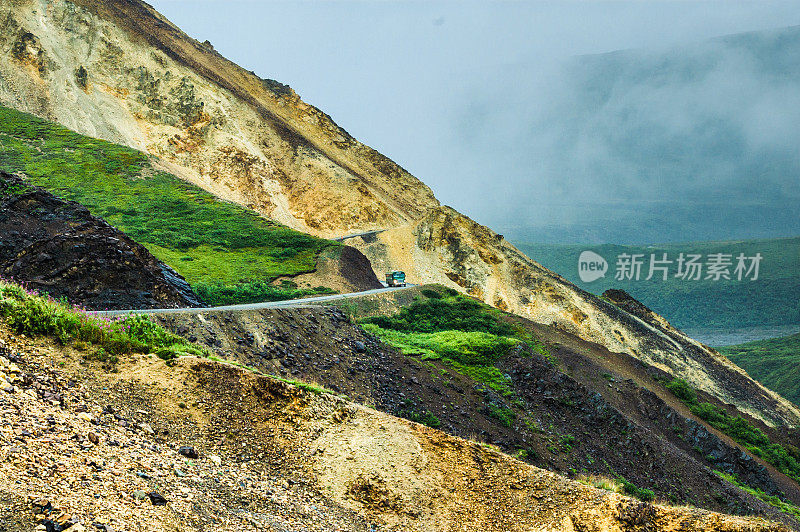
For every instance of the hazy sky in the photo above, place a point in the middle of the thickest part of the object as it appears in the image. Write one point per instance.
(412, 79)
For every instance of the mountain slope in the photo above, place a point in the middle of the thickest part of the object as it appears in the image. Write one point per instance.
(119, 71)
(198, 445)
(227, 253)
(774, 363)
(58, 247)
(127, 75)
(534, 391)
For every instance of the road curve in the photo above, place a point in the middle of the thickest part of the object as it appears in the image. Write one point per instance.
(354, 235)
(252, 306)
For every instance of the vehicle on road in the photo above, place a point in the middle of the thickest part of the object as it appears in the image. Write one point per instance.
(395, 278)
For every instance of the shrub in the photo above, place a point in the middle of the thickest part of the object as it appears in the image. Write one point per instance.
(448, 313)
(631, 489)
(504, 415)
(219, 293)
(603, 483)
(425, 417)
(681, 389)
(27, 312)
(431, 294)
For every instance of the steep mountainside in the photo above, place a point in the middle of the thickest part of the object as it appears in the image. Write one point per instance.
(579, 410)
(57, 247)
(197, 444)
(120, 71)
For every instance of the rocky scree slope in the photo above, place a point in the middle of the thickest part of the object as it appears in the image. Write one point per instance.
(199, 445)
(56, 246)
(120, 71)
(581, 411)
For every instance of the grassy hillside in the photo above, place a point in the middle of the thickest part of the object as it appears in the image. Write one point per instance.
(770, 300)
(464, 333)
(227, 253)
(775, 363)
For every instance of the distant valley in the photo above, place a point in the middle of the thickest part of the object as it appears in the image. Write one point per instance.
(771, 300)
(774, 362)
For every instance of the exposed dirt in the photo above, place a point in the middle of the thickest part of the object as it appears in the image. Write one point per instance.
(341, 268)
(269, 457)
(56, 246)
(591, 412)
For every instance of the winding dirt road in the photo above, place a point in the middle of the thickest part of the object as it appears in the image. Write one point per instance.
(253, 306)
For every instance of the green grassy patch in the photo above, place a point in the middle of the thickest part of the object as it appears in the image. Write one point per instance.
(452, 312)
(105, 339)
(254, 292)
(469, 353)
(212, 243)
(504, 415)
(643, 494)
(412, 413)
(775, 363)
(462, 332)
(785, 458)
(772, 500)
(467, 348)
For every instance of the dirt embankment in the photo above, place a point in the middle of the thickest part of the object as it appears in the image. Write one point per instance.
(56, 246)
(264, 456)
(584, 411)
(341, 268)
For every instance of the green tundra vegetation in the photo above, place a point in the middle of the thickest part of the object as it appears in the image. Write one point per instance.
(772, 500)
(105, 339)
(785, 458)
(775, 363)
(461, 332)
(227, 253)
(770, 300)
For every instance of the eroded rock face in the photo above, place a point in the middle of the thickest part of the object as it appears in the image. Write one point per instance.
(120, 71)
(56, 246)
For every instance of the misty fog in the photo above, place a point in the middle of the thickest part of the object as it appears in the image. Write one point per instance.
(697, 142)
(501, 108)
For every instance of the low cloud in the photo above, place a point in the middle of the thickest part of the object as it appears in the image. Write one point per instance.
(632, 140)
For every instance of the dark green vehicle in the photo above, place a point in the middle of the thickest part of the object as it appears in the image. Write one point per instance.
(395, 278)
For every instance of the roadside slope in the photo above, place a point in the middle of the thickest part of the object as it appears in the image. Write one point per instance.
(270, 455)
(559, 403)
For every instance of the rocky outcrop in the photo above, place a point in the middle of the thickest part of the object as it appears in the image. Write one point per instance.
(56, 246)
(120, 71)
